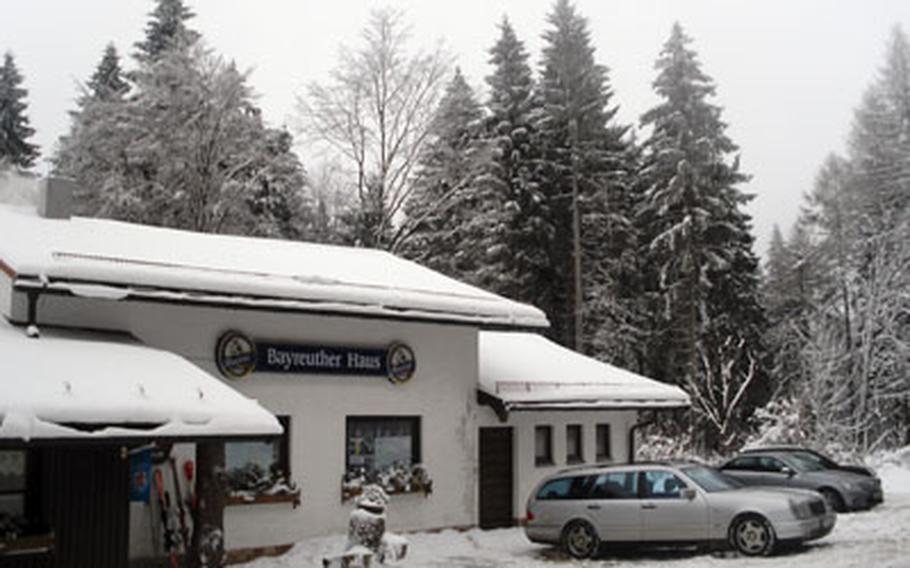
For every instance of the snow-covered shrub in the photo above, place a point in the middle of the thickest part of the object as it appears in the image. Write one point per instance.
(393, 479)
(780, 422)
(654, 445)
(252, 480)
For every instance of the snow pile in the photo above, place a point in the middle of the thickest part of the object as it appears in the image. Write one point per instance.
(894, 470)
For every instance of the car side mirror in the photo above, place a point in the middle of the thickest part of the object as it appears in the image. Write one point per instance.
(687, 493)
(787, 471)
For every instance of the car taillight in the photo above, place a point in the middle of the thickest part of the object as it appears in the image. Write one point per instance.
(530, 516)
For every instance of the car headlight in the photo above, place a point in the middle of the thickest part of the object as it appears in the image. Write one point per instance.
(800, 509)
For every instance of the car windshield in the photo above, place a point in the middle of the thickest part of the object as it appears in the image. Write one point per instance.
(710, 479)
(803, 462)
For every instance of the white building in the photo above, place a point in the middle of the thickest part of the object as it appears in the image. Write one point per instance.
(371, 363)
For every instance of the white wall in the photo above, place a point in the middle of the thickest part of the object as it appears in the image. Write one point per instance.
(442, 391)
(526, 473)
(6, 295)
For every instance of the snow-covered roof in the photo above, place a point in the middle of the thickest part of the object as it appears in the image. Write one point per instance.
(527, 371)
(85, 385)
(124, 260)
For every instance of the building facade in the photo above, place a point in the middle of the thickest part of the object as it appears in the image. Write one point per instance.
(373, 366)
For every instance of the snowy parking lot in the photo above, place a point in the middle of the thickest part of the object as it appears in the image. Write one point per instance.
(879, 538)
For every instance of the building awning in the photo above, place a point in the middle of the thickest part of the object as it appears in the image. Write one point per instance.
(85, 385)
(525, 371)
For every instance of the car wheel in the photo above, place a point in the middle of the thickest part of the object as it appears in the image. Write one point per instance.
(580, 539)
(835, 501)
(752, 535)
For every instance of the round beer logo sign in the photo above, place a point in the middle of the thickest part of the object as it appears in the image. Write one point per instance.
(401, 363)
(235, 355)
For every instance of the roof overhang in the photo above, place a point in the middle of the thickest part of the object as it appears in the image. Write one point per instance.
(77, 385)
(118, 261)
(524, 372)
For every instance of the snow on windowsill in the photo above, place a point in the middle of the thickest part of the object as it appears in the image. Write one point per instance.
(251, 498)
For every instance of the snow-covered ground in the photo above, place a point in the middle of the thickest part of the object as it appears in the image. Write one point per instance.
(879, 538)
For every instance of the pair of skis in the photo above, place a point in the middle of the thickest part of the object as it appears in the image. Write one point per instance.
(174, 538)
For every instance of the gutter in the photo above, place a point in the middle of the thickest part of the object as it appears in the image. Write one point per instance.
(128, 292)
(645, 421)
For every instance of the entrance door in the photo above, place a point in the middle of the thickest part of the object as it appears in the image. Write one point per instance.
(86, 494)
(496, 478)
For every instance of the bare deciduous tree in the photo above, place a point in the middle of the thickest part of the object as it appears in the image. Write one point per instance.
(718, 391)
(376, 110)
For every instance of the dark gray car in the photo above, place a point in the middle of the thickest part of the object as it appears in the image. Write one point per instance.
(844, 490)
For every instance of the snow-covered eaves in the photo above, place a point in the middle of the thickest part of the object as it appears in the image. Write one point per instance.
(525, 371)
(120, 261)
(84, 385)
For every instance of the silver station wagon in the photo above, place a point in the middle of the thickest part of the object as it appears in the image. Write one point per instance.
(670, 503)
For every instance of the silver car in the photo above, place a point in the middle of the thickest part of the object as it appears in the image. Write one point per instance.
(844, 490)
(669, 503)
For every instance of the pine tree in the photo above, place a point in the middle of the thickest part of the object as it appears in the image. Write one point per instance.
(15, 150)
(107, 82)
(519, 240)
(707, 322)
(166, 29)
(442, 226)
(880, 140)
(584, 166)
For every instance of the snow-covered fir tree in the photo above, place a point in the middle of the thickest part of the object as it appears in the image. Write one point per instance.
(188, 149)
(858, 216)
(103, 93)
(792, 275)
(108, 81)
(706, 324)
(584, 172)
(15, 131)
(166, 28)
(444, 216)
(522, 228)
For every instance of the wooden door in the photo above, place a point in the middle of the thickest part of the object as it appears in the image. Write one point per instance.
(496, 503)
(86, 496)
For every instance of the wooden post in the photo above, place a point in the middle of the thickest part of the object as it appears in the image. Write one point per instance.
(578, 292)
(207, 550)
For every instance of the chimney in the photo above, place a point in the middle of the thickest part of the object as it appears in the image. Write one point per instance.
(55, 197)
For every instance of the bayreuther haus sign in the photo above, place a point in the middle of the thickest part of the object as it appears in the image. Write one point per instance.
(237, 356)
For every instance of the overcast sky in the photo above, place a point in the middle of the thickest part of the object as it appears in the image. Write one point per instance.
(789, 73)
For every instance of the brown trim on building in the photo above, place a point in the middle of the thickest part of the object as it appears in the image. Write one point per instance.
(293, 498)
(241, 555)
(7, 269)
